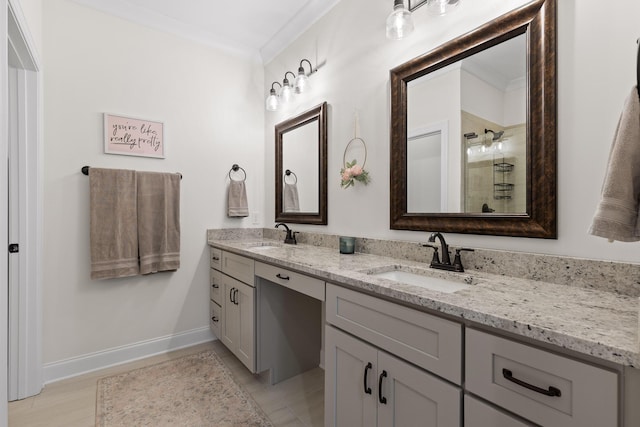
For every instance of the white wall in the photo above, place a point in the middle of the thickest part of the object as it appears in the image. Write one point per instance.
(32, 10)
(596, 69)
(212, 106)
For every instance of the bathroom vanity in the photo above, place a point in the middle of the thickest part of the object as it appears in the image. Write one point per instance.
(500, 351)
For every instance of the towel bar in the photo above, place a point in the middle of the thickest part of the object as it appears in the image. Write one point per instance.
(85, 171)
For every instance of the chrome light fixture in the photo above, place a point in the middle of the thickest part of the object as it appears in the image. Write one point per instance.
(399, 23)
(302, 81)
(272, 100)
(442, 7)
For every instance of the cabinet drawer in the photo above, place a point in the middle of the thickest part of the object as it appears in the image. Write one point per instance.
(238, 267)
(518, 377)
(215, 286)
(215, 258)
(479, 414)
(428, 341)
(215, 318)
(298, 282)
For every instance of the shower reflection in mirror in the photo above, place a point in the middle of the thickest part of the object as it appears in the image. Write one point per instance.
(466, 134)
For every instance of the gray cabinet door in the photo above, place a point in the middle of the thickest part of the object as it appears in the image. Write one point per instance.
(411, 397)
(347, 402)
(238, 324)
(246, 350)
(366, 387)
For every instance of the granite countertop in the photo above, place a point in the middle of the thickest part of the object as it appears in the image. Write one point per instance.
(592, 322)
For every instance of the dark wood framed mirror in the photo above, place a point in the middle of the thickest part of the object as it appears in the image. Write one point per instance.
(458, 208)
(301, 168)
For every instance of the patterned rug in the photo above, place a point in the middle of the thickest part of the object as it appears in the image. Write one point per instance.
(196, 390)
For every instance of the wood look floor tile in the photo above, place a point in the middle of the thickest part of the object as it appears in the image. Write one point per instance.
(295, 402)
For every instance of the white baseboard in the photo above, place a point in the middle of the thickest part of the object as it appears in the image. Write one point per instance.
(75, 366)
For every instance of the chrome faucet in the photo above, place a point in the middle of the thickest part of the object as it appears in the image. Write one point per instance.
(291, 235)
(445, 264)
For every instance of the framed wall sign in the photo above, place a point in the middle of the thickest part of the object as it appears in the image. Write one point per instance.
(133, 137)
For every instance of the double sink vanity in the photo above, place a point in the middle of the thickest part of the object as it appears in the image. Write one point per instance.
(515, 339)
(404, 344)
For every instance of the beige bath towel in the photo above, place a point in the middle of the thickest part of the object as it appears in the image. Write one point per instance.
(158, 221)
(617, 215)
(113, 223)
(237, 205)
(291, 201)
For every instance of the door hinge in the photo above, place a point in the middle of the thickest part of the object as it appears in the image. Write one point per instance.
(14, 248)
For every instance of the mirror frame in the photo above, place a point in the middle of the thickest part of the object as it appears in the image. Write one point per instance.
(316, 113)
(538, 20)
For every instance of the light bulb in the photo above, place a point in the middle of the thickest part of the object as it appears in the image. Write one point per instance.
(302, 81)
(286, 94)
(442, 7)
(399, 23)
(272, 101)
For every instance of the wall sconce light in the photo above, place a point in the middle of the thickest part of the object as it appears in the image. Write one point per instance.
(400, 22)
(272, 100)
(287, 91)
(302, 81)
(442, 7)
(286, 94)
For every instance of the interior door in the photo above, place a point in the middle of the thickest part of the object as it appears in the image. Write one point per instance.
(14, 360)
(21, 216)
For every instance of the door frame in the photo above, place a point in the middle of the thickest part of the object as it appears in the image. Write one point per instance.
(27, 326)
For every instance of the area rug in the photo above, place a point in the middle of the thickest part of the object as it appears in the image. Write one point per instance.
(196, 390)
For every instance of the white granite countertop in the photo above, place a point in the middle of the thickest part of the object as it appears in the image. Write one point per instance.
(597, 323)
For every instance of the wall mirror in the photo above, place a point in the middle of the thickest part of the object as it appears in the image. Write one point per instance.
(301, 168)
(473, 131)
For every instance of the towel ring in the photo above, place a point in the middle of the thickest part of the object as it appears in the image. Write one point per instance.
(235, 168)
(287, 173)
(344, 156)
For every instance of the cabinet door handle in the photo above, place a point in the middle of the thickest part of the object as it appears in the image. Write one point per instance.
(235, 297)
(381, 398)
(231, 295)
(552, 391)
(214, 319)
(367, 389)
(280, 276)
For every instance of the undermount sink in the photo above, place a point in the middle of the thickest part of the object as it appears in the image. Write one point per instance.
(260, 246)
(423, 278)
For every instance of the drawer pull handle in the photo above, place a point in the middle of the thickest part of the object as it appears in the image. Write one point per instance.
(552, 391)
(214, 286)
(215, 258)
(280, 276)
(367, 389)
(381, 398)
(214, 319)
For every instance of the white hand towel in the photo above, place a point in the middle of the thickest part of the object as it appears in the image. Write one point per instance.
(237, 205)
(291, 200)
(617, 215)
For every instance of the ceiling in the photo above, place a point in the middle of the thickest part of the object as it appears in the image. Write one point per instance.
(248, 27)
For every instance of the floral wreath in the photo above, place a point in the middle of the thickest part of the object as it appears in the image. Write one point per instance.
(352, 171)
